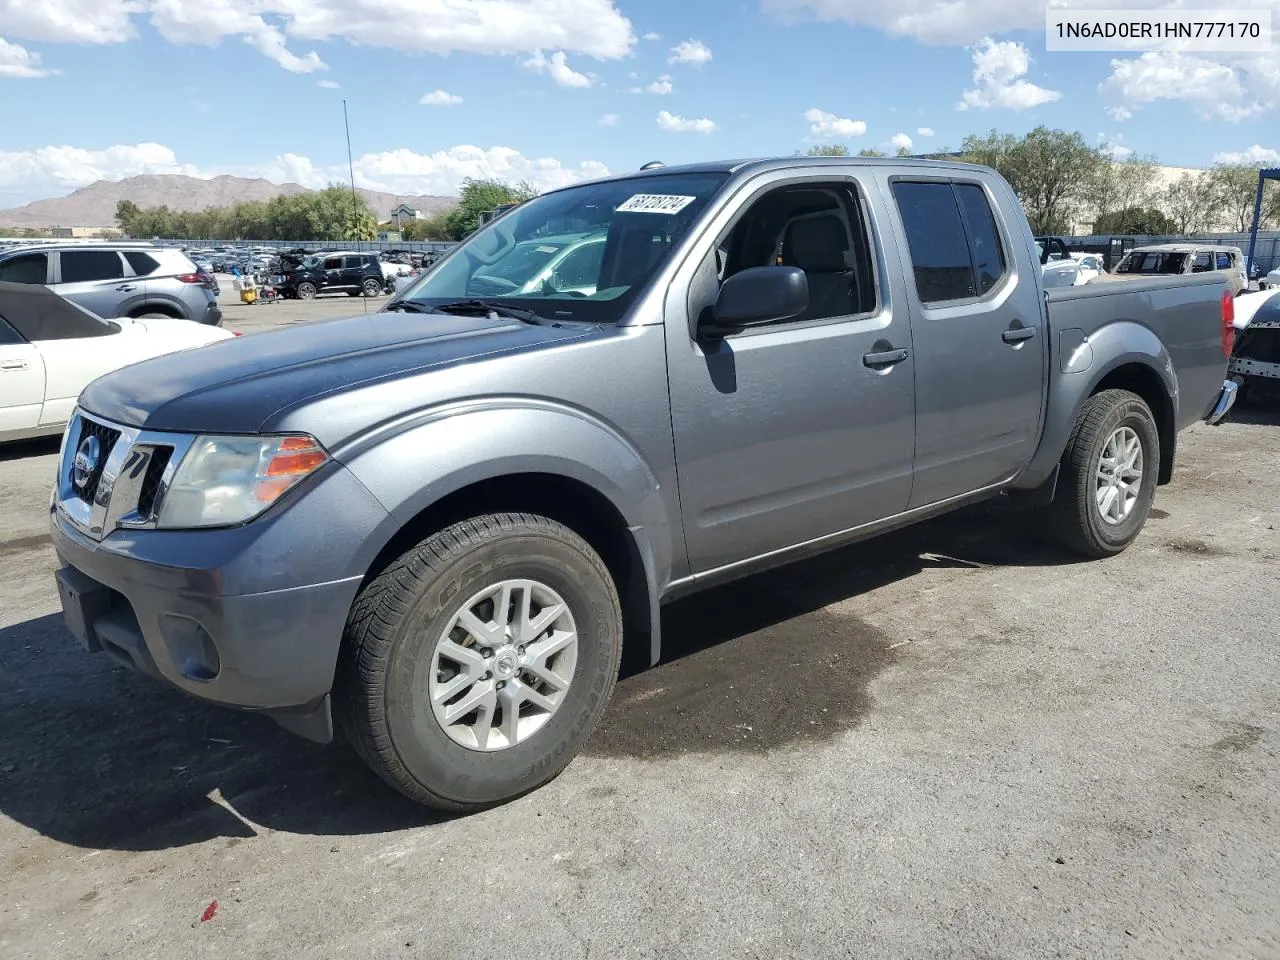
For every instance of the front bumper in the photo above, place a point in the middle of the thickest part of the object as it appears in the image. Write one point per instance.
(1226, 400)
(250, 617)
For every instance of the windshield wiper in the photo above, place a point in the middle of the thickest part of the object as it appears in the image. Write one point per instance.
(408, 306)
(485, 307)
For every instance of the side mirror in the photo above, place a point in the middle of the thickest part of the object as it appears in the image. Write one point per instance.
(756, 296)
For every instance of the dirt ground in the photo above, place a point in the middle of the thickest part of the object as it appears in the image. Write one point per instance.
(949, 742)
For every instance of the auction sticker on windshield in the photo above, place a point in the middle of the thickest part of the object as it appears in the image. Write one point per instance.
(655, 203)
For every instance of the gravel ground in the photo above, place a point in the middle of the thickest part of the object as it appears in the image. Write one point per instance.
(949, 742)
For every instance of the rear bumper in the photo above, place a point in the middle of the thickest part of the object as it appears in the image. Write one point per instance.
(212, 315)
(1226, 400)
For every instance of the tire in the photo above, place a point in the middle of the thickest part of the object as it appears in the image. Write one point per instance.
(1075, 517)
(353, 293)
(306, 290)
(154, 316)
(372, 288)
(388, 691)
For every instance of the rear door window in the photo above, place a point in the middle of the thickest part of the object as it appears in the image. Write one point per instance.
(143, 265)
(1203, 263)
(26, 268)
(1224, 261)
(83, 266)
(955, 246)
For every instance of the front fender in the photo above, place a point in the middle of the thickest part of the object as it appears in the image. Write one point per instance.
(412, 463)
(1080, 363)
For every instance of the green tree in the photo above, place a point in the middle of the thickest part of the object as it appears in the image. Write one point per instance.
(1142, 221)
(1051, 171)
(1189, 202)
(869, 152)
(127, 214)
(477, 198)
(827, 150)
(1128, 184)
(1234, 189)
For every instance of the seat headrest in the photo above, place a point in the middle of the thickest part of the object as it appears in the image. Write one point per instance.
(817, 244)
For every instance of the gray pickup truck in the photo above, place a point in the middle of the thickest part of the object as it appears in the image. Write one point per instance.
(439, 525)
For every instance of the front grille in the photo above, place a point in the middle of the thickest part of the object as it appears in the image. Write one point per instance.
(151, 482)
(107, 438)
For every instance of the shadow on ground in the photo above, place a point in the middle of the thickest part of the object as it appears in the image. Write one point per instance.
(95, 756)
(24, 449)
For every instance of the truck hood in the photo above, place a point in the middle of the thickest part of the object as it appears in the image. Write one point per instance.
(237, 385)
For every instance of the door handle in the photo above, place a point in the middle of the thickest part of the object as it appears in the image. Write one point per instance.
(1018, 334)
(13, 364)
(885, 358)
(125, 288)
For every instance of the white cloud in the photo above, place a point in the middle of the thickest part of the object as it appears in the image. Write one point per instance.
(591, 27)
(1213, 90)
(693, 52)
(440, 98)
(17, 62)
(56, 169)
(652, 36)
(609, 120)
(327, 84)
(998, 69)
(827, 126)
(661, 87)
(1255, 156)
(557, 68)
(926, 131)
(677, 124)
(900, 141)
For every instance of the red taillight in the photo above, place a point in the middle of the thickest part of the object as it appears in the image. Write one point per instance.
(235, 333)
(1228, 323)
(196, 278)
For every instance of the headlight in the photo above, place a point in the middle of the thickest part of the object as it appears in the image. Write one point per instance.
(223, 481)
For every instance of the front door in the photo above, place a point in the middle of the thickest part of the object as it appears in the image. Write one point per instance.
(977, 322)
(21, 382)
(801, 429)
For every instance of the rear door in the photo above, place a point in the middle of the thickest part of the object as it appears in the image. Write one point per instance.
(801, 429)
(21, 382)
(32, 267)
(977, 322)
(96, 280)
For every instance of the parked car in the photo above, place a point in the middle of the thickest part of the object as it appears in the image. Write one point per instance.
(439, 524)
(1090, 265)
(118, 280)
(350, 272)
(1271, 281)
(1255, 358)
(1171, 259)
(51, 348)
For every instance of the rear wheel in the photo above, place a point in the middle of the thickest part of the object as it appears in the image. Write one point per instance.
(1108, 474)
(476, 665)
(372, 288)
(154, 316)
(306, 291)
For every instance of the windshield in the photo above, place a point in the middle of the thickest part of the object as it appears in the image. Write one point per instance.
(310, 263)
(1152, 262)
(583, 253)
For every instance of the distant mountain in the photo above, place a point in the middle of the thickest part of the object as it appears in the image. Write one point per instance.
(95, 205)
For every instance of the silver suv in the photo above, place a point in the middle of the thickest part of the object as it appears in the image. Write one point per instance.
(118, 280)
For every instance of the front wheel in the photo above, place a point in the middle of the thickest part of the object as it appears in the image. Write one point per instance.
(475, 666)
(1108, 475)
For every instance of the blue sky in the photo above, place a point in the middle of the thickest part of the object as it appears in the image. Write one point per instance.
(553, 90)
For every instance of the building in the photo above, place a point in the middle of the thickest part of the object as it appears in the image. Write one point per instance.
(80, 233)
(403, 211)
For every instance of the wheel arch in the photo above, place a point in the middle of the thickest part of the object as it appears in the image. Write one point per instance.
(516, 457)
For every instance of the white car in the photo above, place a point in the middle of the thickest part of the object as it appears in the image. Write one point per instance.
(1090, 265)
(1271, 281)
(51, 348)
